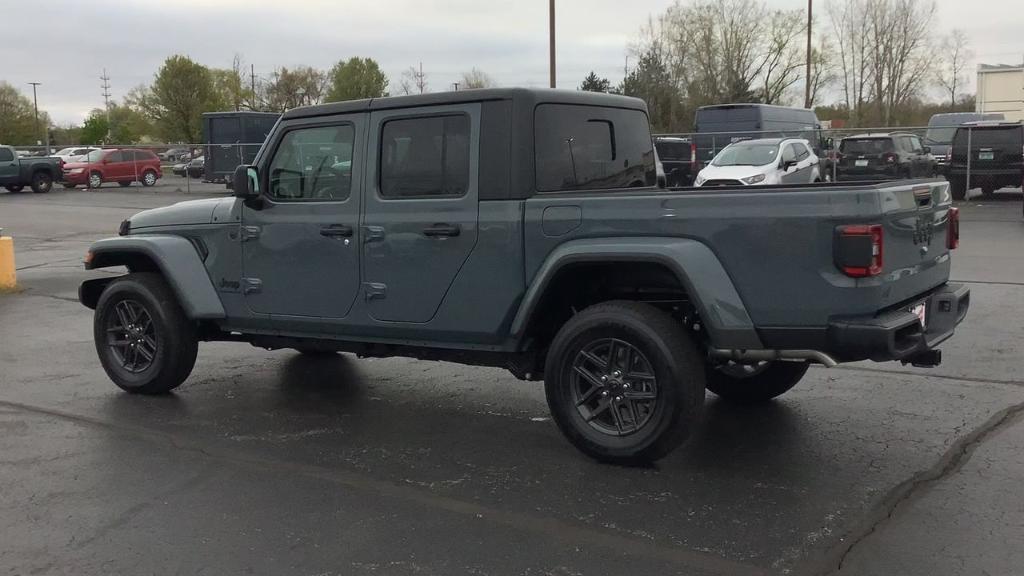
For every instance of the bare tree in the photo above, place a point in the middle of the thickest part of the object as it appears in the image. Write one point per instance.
(476, 78)
(414, 81)
(956, 54)
(900, 35)
(823, 68)
(783, 60)
(850, 27)
(302, 86)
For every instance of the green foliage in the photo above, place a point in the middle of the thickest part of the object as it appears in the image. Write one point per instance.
(651, 82)
(95, 128)
(356, 78)
(17, 117)
(181, 92)
(593, 83)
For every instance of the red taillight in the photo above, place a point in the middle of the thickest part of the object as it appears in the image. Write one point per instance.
(953, 229)
(693, 152)
(859, 250)
(890, 158)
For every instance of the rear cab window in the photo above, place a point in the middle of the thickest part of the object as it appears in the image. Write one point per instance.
(592, 148)
(6, 155)
(866, 146)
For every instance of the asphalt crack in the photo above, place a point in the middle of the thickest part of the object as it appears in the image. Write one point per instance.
(951, 461)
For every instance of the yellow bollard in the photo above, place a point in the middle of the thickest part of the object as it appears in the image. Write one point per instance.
(8, 279)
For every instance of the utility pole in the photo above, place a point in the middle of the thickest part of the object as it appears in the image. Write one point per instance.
(807, 87)
(419, 81)
(252, 80)
(106, 98)
(551, 38)
(456, 84)
(35, 102)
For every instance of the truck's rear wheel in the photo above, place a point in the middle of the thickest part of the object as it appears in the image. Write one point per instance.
(144, 341)
(754, 383)
(42, 182)
(624, 382)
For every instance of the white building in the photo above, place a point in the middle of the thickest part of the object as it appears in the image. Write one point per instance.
(1001, 89)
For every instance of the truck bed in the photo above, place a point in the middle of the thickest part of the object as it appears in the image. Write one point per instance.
(777, 243)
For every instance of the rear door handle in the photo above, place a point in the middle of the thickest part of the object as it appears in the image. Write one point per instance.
(442, 230)
(336, 231)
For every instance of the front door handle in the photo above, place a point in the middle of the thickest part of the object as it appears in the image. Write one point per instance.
(442, 230)
(336, 231)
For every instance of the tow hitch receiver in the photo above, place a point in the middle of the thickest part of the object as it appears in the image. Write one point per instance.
(926, 359)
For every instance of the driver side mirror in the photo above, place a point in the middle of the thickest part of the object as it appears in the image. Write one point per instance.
(787, 164)
(926, 149)
(246, 182)
(830, 144)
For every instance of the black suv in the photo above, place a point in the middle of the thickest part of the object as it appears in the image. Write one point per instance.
(989, 154)
(884, 157)
(676, 155)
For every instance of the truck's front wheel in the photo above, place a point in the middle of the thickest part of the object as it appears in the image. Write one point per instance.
(624, 382)
(754, 383)
(145, 342)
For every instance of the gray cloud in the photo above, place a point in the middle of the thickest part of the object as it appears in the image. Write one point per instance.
(507, 39)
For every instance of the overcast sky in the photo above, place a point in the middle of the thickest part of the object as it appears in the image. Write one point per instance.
(505, 38)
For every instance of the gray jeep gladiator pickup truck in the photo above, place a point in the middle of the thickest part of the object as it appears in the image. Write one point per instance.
(39, 173)
(528, 229)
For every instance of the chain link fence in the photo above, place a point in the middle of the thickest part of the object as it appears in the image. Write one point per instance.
(201, 168)
(987, 156)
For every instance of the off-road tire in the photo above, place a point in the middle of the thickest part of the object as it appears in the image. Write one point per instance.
(42, 182)
(772, 380)
(671, 358)
(174, 336)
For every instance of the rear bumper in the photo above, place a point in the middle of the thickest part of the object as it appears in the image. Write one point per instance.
(897, 334)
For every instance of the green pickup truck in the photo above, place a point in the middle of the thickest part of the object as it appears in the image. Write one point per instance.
(39, 173)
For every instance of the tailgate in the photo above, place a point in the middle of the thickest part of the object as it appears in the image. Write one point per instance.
(915, 253)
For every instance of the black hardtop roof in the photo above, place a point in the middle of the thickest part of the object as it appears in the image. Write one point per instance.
(528, 96)
(751, 105)
(241, 113)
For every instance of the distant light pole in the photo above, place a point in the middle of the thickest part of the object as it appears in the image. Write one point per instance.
(807, 87)
(35, 102)
(551, 38)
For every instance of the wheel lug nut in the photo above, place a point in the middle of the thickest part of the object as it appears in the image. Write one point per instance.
(604, 393)
(616, 374)
(604, 378)
(618, 398)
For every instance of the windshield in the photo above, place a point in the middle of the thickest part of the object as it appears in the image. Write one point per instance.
(746, 155)
(93, 156)
(942, 135)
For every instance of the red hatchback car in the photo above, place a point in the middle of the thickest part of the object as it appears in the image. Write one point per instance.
(121, 166)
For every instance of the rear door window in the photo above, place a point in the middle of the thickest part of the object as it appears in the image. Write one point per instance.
(425, 157)
(592, 148)
(801, 151)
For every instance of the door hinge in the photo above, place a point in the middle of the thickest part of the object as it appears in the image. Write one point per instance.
(252, 285)
(250, 233)
(375, 290)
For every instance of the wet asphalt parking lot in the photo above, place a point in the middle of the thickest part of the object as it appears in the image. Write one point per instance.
(272, 463)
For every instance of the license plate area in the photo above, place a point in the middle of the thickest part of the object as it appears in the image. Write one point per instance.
(861, 163)
(986, 156)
